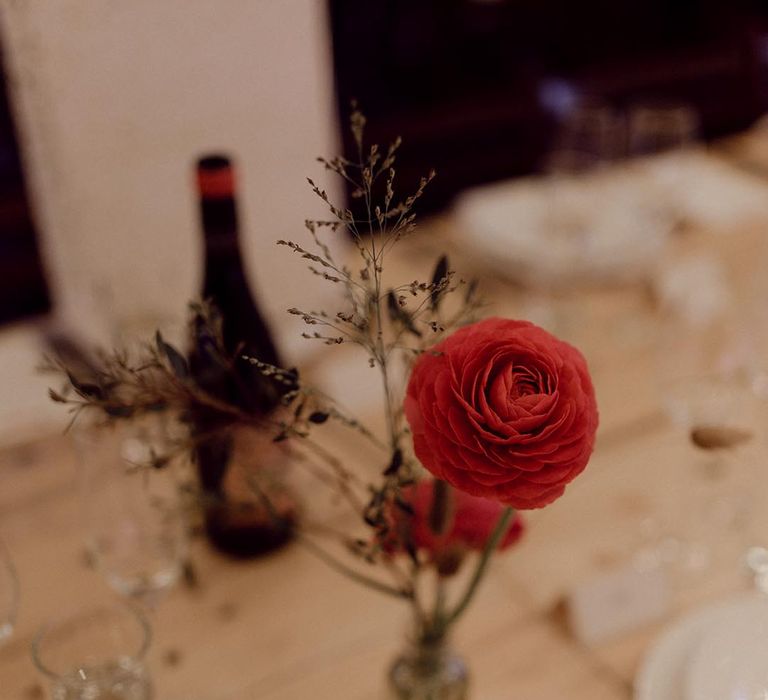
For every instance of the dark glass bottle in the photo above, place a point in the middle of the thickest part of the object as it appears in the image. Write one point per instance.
(236, 523)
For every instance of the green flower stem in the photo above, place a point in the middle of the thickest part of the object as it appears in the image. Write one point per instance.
(440, 598)
(342, 568)
(505, 520)
(436, 625)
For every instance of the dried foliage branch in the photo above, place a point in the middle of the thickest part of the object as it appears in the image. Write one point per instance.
(156, 378)
(391, 324)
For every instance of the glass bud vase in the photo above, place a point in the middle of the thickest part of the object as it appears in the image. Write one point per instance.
(429, 670)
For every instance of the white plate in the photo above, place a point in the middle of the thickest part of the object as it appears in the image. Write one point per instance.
(602, 227)
(665, 672)
(731, 661)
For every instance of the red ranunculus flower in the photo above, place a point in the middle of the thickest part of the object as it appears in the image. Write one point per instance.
(503, 409)
(473, 520)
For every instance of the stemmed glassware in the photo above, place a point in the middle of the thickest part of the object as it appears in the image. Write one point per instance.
(589, 135)
(705, 367)
(654, 127)
(136, 529)
(9, 594)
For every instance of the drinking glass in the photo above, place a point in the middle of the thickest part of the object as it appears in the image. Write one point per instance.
(9, 594)
(659, 126)
(136, 529)
(705, 368)
(97, 654)
(588, 136)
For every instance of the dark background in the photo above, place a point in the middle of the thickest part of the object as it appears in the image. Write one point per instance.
(462, 82)
(23, 291)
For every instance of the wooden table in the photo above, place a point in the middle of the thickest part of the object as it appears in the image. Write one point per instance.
(288, 628)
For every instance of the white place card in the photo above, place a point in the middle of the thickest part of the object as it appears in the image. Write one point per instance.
(617, 603)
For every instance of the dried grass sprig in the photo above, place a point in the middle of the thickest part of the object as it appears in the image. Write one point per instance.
(392, 325)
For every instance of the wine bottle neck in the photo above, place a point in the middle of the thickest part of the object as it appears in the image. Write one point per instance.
(225, 284)
(220, 226)
(219, 214)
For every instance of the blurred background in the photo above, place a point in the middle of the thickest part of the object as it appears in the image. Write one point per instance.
(105, 107)
(478, 89)
(602, 170)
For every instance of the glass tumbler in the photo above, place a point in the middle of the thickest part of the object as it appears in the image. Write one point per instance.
(97, 654)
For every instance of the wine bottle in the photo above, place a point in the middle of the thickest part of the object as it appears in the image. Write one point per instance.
(225, 285)
(236, 523)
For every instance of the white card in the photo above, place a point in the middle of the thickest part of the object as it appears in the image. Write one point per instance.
(616, 603)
